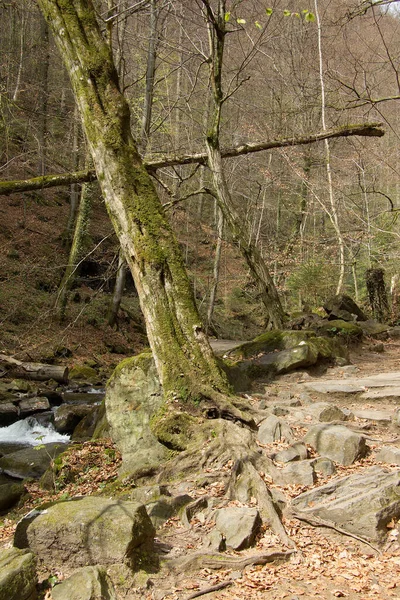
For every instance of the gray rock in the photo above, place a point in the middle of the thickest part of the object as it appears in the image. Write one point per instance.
(280, 411)
(379, 416)
(396, 418)
(10, 493)
(149, 493)
(239, 526)
(68, 416)
(384, 385)
(17, 575)
(287, 360)
(337, 443)
(133, 396)
(341, 303)
(166, 507)
(86, 427)
(362, 504)
(323, 466)
(374, 329)
(85, 531)
(89, 583)
(296, 451)
(8, 412)
(29, 406)
(325, 412)
(192, 509)
(389, 455)
(299, 473)
(273, 429)
(31, 462)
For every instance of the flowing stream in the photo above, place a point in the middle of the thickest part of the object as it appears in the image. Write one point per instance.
(29, 431)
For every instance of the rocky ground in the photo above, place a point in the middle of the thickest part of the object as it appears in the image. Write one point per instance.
(321, 557)
(327, 563)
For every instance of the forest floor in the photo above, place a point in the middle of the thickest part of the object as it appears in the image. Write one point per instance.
(327, 564)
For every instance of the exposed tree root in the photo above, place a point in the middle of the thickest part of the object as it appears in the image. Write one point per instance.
(245, 483)
(220, 406)
(318, 522)
(219, 443)
(208, 590)
(211, 560)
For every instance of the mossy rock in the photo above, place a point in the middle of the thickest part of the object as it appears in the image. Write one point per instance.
(270, 342)
(133, 399)
(280, 352)
(174, 430)
(84, 373)
(348, 331)
(17, 575)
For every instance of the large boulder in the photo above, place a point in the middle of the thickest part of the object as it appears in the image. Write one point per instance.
(86, 531)
(343, 307)
(362, 504)
(89, 583)
(337, 443)
(17, 575)
(133, 397)
(348, 331)
(68, 416)
(31, 462)
(278, 352)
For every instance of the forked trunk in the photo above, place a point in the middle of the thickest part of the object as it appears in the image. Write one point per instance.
(184, 360)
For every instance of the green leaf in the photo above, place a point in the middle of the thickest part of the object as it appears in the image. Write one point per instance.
(258, 24)
(241, 21)
(310, 17)
(53, 579)
(227, 16)
(269, 11)
(296, 15)
(287, 13)
(305, 11)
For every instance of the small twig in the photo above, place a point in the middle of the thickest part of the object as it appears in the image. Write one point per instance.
(213, 588)
(318, 522)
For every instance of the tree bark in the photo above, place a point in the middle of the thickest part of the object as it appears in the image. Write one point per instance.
(184, 360)
(217, 263)
(37, 183)
(118, 290)
(375, 279)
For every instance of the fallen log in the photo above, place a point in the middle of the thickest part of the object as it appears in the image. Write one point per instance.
(29, 370)
(47, 181)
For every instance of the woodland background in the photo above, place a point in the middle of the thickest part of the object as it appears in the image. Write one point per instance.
(315, 212)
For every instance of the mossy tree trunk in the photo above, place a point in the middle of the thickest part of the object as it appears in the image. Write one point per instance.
(217, 28)
(184, 360)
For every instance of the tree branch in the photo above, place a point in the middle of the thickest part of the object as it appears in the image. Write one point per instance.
(37, 183)
(47, 181)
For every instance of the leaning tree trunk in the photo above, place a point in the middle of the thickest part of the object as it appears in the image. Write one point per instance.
(184, 360)
(258, 268)
(375, 279)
